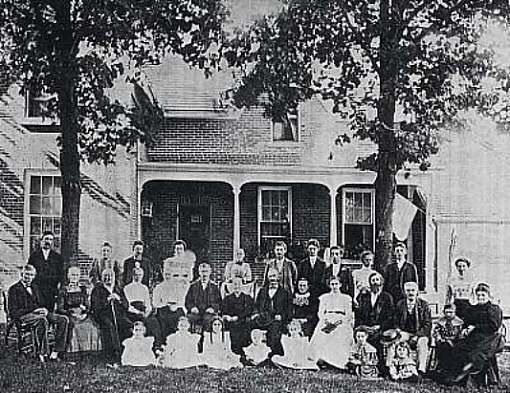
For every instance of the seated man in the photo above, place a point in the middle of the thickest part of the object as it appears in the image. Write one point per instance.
(237, 309)
(139, 306)
(238, 268)
(168, 300)
(203, 299)
(272, 311)
(414, 322)
(108, 306)
(25, 306)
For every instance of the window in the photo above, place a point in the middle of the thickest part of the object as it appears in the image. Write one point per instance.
(287, 128)
(358, 220)
(274, 216)
(37, 107)
(44, 208)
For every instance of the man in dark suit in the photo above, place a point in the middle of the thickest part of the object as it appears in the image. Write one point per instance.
(203, 299)
(25, 306)
(137, 260)
(337, 269)
(413, 319)
(286, 268)
(109, 306)
(49, 265)
(273, 309)
(399, 272)
(313, 268)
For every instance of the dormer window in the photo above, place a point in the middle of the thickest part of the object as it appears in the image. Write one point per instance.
(286, 128)
(37, 108)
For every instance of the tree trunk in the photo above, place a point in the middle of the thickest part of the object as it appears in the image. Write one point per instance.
(69, 155)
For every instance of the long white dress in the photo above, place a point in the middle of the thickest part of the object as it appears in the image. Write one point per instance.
(332, 344)
(217, 352)
(181, 351)
(138, 352)
(296, 354)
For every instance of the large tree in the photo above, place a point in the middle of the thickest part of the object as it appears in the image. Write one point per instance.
(77, 50)
(398, 70)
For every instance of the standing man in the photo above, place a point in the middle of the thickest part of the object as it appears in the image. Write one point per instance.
(137, 260)
(413, 319)
(313, 268)
(398, 273)
(203, 299)
(49, 265)
(273, 309)
(25, 305)
(287, 271)
(341, 271)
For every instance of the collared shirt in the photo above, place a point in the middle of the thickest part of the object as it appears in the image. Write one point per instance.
(28, 288)
(374, 297)
(46, 253)
(312, 261)
(204, 285)
(279, 264)
(336, 269)
(400, 264)
(410, 306)
(272, 291)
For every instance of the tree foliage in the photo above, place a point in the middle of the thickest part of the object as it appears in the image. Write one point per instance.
(398, 70)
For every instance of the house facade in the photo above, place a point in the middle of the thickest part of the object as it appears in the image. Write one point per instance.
(223, 179)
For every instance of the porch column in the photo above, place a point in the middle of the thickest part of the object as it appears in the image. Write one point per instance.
(237, 219)
(333, 219)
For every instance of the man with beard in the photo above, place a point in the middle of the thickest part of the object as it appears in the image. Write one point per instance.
(237, 309)
(273, 311)
(49, 265)
(313, 268)
(286, 268)
(108, 306)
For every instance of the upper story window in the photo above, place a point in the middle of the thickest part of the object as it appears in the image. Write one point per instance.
(358, 220)
(287, 127)
(274, 215)
(37, 108)
(44, 208)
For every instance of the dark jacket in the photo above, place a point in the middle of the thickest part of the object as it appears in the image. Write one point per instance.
(345, 277)
(422, 315)
(486, 318)
(289, 275)
(197, 297)
(280, 304)
(381, 314)
(20, 302)
(50, 274)
(241, 307)
(316, 276)
(101, 307)
(129, 265)
(395, 279)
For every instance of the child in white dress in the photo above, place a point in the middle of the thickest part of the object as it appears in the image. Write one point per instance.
(181, 349)
(296, 349)
(217, 352)
(402, 366)
(257, 352)
(138, 348)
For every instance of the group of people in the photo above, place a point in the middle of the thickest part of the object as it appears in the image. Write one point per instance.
(308, 315)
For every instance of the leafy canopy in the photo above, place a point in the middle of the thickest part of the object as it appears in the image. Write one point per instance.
(427, 58)
(94, 42)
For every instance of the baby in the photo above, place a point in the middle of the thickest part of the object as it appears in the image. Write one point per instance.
(363, 356)
(402, 366)
(296, 349)
(138, 348)
(181, 349)
(257, 352)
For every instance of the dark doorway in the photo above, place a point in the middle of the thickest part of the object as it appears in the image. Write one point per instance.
(194, 229)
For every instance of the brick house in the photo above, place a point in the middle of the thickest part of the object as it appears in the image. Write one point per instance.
(222, 178)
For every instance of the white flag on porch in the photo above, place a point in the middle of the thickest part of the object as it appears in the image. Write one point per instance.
(403, 216)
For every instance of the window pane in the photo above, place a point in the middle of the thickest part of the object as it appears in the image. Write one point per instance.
(56, 226)
(57, 183)
(275, 214)
(47, 224)
(57, 206)
(266, 213)
(367, 216)
(35, 185)
(34, 243)
(35, 205)
(275, 198)
(265, 197)
(358, 214)
(358, 200)
(47, 205)
(47, 185)
(35, 226)
(367, 200)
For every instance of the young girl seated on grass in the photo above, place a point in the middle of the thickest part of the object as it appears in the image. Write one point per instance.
(181, 349)
(363, 356)
(296, 349)
(138, 348)
(217, 352)
(257, 352)
(402, 366)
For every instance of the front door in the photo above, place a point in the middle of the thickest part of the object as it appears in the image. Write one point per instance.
(194, 229)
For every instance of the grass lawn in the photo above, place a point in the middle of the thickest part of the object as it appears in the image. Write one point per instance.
(18, 374)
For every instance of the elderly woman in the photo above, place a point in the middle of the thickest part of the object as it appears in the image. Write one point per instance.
(332, 339)
(460, 287)
(475, 353)
(73, 301)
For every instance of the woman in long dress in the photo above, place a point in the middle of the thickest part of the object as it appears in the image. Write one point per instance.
(460, 288)
(332, 339)
(73, 301)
